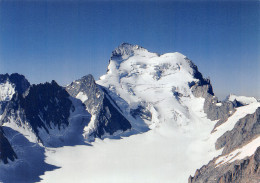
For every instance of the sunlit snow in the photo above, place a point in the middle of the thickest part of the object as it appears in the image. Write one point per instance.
(6, 91)
(244, 100)
(240, 153)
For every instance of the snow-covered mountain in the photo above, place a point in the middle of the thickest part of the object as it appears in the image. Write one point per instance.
(43, 114)
(150, 118)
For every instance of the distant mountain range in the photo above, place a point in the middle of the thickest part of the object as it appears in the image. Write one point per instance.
(151, 98)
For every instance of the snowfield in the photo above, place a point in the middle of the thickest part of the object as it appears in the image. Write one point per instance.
(164, 154)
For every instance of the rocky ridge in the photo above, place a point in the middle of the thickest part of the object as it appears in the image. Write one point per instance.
(42, 108)
(246, 170)
(107, 118)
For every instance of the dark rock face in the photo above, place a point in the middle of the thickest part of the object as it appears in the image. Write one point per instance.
(204, 83)
(87, 87)
(43, 106)
(240, 171)
(6, 150)
(245, 130)
(3, 106)
(125, 49)
(214, 109)
(215, 112)
(108, 116)
(203, 88)
(110, 119)
(19, 83)
(142, 112)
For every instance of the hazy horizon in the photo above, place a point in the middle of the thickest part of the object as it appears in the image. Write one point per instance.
(65, 40)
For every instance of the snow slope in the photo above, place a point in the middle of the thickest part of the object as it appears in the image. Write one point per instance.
(163, 154)
(240, 153)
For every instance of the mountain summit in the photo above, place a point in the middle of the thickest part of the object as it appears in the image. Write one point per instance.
(148, 82)
(126, 49)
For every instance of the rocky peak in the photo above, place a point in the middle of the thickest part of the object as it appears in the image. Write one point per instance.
(21, 84)
(201, 80)
(45, 106)
(88, 78)
(106, 116)
(126, 50)
(87, 91)
(9, 85)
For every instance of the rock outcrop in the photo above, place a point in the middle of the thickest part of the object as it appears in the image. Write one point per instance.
(215, 109)
(241, 171)
(107, 118)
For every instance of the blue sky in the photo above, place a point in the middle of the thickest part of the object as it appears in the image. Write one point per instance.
(65, 40)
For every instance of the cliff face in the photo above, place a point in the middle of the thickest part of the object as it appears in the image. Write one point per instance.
(6, 151)
(9, 85)
(41, 110)
(214, 109)
(244, 131)
(107, 118)
(241, 171)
